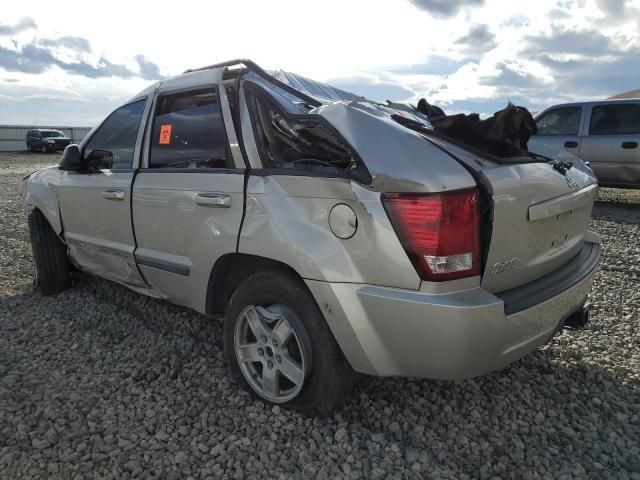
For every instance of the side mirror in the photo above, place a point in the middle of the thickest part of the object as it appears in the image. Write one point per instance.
(71, 158)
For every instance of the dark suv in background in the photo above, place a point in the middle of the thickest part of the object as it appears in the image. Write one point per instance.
(46, 140)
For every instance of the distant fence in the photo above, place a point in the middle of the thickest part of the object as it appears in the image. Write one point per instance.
(12, 137)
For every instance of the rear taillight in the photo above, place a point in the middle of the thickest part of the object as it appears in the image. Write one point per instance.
(440, 232)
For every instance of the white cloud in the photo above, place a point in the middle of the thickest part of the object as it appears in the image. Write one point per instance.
(378, 41)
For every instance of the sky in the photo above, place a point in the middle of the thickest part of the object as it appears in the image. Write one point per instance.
(71, 63)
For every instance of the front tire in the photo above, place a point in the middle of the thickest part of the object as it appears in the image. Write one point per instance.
(49, 256)
(280, 348)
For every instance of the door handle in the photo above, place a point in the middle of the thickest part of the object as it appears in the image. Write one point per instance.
(215, 200)
(114, 194)
(629, 145)
(570, 144)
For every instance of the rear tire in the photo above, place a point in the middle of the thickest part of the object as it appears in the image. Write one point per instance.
(276, 298)
(49, 256)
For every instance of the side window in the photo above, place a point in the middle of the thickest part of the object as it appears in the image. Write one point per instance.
(294, 140)
(560, 121)
(616, 119)
(188, 132)
(111, 147)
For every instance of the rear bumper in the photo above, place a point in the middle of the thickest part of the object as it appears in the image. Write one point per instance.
(547, 287)
(392, 332)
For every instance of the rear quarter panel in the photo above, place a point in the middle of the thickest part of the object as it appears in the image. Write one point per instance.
(398, 159)
(287, 219)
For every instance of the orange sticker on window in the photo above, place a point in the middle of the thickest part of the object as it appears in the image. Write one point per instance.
(165, 135)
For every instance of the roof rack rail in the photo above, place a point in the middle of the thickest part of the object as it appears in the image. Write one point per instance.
(251, 65)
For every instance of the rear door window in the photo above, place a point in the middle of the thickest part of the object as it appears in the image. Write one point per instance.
(616, 119)
(560, 121)
(189, 132)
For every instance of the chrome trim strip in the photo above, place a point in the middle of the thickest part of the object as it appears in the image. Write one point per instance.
(163, 265)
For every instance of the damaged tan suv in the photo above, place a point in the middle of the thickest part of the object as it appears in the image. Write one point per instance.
(335, 234)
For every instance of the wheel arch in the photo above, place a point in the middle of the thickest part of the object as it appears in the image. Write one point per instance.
(230, 270)
(39, 197)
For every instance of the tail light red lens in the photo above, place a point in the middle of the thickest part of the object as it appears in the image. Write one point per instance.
(440, 232)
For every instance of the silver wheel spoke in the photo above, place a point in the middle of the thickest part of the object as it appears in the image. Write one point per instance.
(269, 352)
(248, 352)
(255, 323)
(270, 382)
(291, 369)
(282, 331)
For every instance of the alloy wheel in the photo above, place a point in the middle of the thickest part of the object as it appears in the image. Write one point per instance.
(270, 353)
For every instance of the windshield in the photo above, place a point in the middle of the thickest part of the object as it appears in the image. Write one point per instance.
(52, 133)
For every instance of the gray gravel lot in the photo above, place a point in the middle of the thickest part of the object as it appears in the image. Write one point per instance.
(100, 382)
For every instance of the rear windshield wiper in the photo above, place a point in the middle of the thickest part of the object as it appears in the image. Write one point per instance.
(560, 165)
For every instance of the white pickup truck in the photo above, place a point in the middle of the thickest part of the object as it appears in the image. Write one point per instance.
(604, 133)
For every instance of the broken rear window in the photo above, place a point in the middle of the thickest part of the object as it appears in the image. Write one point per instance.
(299, 142)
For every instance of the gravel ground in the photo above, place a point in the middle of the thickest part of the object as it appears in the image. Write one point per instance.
(100, 382)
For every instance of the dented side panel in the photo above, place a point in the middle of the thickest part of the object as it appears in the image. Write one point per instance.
(179, 238)
(287, 216)
(40, 191)
(98, 229)
(287, 219)
(399, 160)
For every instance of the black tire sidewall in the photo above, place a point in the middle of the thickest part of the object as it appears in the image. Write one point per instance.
(52, 267)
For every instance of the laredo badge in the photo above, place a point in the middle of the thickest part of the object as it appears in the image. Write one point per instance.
(503, 266)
